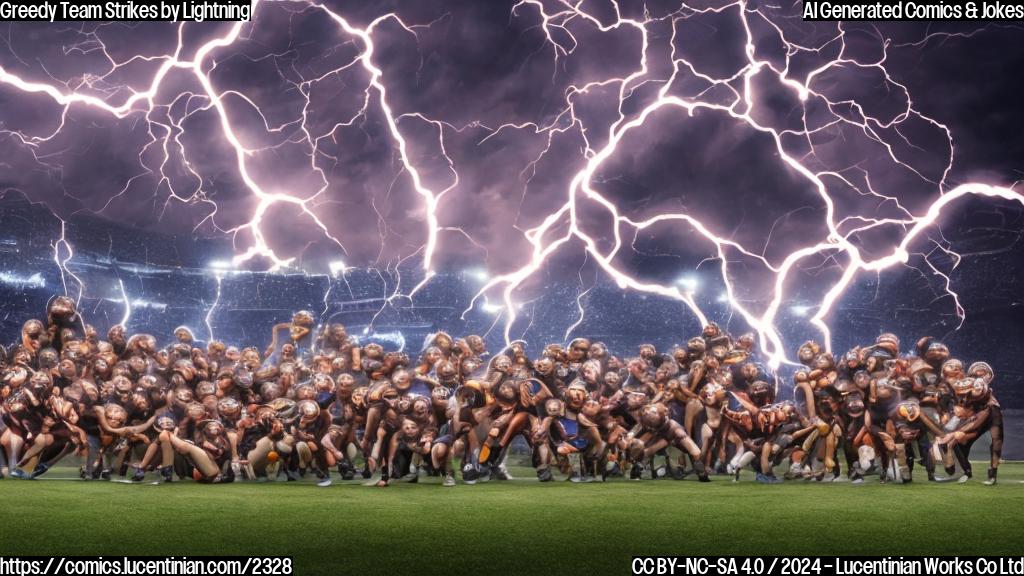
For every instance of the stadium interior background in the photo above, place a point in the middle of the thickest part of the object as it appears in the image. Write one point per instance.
(182, 280)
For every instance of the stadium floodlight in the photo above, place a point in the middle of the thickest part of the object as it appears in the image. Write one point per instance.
(337, 267)
(220, 264)
(394, 338)
(478, 274)
(142, 303)
(800, 310)
(723, 298)
(34, 281)
(492, 308)
(690, 282)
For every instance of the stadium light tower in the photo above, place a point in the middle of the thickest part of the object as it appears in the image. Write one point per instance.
(220, 265)
(800, 310)
(689, 282)
(337, 267)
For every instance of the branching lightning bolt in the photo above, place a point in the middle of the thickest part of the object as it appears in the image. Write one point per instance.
(740, 109)
(558, 21)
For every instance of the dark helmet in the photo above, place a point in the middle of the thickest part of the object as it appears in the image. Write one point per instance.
(229, 407)
(166, 421)
(48, 358)
(205, 388)
(654, 416)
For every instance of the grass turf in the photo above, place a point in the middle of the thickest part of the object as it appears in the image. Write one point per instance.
(512, 527)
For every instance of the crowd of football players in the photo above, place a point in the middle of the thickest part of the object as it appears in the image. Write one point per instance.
(319, 403)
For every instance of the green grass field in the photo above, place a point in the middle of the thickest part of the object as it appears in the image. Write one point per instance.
(512, 527)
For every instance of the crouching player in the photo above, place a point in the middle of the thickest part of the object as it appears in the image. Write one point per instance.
(655, 432)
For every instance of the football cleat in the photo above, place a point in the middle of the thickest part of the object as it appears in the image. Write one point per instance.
(167, 472)
(501, 473)
(636, 471)
(41, 469)
(469, 474)
(20, 474)
(346, 471)
(612, 470)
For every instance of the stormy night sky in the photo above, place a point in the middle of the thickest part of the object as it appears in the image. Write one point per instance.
(509, 131)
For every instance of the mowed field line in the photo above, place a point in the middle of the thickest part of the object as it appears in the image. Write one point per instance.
(513, 527)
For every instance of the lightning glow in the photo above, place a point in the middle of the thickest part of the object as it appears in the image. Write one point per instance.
(568, 226)
(208, 319)
(127, 304)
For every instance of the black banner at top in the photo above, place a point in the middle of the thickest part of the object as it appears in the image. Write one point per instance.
(125, 10)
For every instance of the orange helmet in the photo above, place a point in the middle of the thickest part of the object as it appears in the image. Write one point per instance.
(971, 390)
(952, 368)
(741, 417)
(981, 370)
(909, 411)
(963, 387)
(888, 341)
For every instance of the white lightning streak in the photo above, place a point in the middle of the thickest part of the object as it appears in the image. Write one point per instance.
(559, 21)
